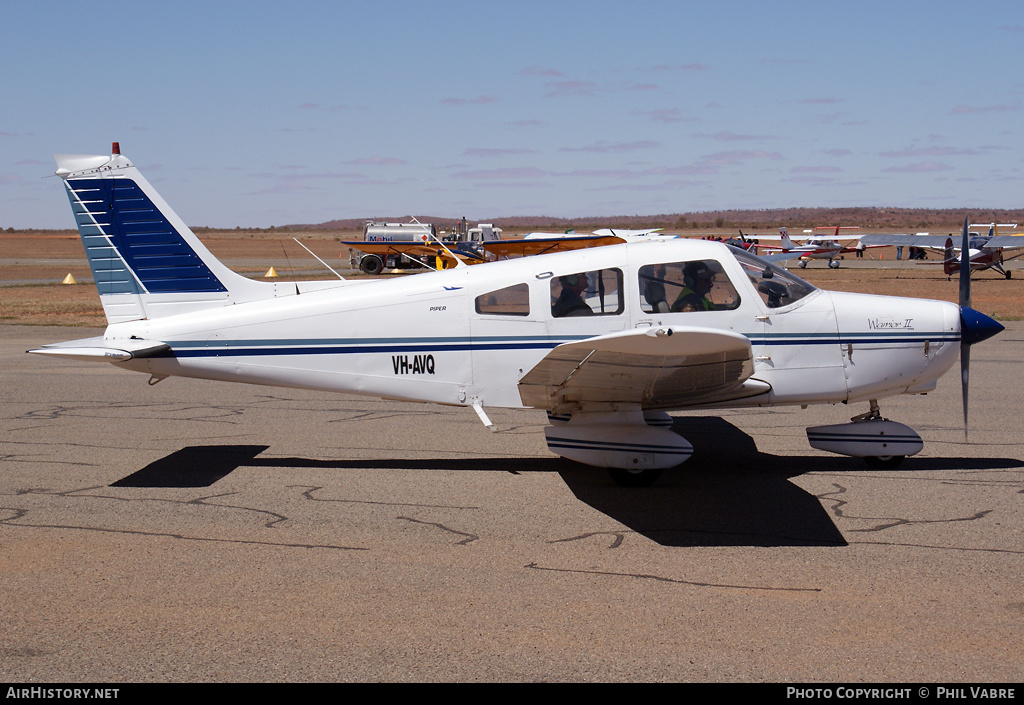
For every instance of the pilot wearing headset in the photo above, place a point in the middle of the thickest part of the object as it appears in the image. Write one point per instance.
(570, 302)
(698, 279)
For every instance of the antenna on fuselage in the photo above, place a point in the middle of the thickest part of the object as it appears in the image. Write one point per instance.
(318, 259)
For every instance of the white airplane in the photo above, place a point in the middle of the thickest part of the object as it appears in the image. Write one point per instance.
(606, 339)
(621, 233)
(983, 251)
(816, 246)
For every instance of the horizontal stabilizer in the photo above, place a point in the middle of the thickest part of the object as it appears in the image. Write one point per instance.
(103, 350)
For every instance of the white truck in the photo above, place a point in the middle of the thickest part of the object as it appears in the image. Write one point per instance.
(408, 245)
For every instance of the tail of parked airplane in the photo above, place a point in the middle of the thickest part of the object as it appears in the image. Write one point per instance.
(787, 244)
(146, 262)
(950, 263)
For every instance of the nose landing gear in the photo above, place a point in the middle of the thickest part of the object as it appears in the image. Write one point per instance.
(881, 442)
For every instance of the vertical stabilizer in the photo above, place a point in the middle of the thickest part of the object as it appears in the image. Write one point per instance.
(146, 262)
(787, 244)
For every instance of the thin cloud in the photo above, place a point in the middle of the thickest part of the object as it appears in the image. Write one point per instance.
(919, 168)
(617, 147)
(720, 159)
(727, 136)
(479, 100)
(489, 152)
(379, 161)
(509, 173)
(821, 169)
(664, 115)
(975, 110)
(540, 71)
(931, 152)
(325, 108)
(562, 89)
(681, 67)
(292, 178)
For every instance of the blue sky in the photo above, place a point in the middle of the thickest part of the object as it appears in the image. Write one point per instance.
(270, 113)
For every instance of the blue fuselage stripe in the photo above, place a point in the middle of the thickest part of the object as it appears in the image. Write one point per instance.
(342, 346)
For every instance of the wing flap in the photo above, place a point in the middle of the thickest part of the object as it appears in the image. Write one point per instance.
(653, 368)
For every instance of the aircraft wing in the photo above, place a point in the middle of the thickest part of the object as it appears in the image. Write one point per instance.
(654, 368)
(1009, 242)
(880, 239)
(539, 245)
(787, 255)
(618, 232)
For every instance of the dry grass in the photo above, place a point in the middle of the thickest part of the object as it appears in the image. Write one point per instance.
(52, 305)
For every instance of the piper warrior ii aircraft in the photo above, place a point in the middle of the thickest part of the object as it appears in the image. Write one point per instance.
(605, 339)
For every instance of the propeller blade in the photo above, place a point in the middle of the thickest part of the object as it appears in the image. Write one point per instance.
(965, 372)
(965, 305)
(965, 270)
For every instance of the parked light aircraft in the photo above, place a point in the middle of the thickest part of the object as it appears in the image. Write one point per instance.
(621, 233)
(606, 339)
(984, 251)
(487, 246)
(816, 246)
(440, 253)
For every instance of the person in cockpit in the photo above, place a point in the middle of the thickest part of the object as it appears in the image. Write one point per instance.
(570, 302)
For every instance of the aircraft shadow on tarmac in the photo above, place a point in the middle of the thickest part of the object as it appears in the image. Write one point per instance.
(727, 494)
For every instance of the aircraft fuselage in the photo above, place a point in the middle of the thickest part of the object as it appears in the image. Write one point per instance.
(448, 337)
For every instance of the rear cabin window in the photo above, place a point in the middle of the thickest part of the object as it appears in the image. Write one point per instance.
(511, 301)
(698, 285)
(596, 293)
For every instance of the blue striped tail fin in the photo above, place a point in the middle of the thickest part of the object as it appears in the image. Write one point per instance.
(145, 261)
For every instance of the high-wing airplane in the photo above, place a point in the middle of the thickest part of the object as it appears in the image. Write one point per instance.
(475, 246)
(984, 251)
(606, 339)
(815, 247)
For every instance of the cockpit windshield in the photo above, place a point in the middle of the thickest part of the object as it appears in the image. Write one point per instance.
(776, 286)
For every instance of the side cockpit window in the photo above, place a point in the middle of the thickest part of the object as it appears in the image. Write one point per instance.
(511, 301)
(597, 293)
(697, 285)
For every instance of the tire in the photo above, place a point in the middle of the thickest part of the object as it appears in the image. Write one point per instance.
(371, 264)
(634, 478)
(883, 462)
